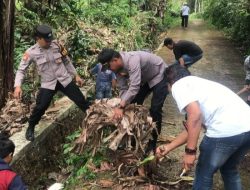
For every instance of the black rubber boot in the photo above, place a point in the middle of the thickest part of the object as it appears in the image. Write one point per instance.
(30, 136)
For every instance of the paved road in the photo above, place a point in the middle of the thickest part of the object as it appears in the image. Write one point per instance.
(222, 62)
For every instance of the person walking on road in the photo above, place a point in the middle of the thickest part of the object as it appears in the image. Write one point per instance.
(138, 74)
(56, 71)
(186, 52)
(227, 137)
(184, 15)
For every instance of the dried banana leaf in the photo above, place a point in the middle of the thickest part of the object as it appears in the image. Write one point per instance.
(132, 131)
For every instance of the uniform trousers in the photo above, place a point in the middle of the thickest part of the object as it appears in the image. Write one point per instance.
(45, 97)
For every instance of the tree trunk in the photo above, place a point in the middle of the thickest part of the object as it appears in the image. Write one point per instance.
(7, 11)
(195, 6)
(199, 6)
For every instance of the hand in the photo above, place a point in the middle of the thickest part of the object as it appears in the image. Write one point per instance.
(247, 87)
(123, 104)
(18, 92)
(183, 65)
(162, 150)
(118, 113)
(79, 81)
(188, 161)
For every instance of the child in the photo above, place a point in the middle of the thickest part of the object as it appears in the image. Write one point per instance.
(247, 84)
(105, 79)
(9, 180)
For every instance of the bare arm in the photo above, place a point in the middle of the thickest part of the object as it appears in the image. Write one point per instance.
(179, 141)
(191, 136)
(194, 124)
(182, 62)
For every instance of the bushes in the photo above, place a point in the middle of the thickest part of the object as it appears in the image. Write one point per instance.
(233, 17)
(87, 26)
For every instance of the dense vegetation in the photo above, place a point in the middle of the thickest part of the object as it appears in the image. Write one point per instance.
(85, 27)
(233, 16)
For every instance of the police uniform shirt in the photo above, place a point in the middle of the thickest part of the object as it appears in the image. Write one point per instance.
(51, 66)
(139, 68)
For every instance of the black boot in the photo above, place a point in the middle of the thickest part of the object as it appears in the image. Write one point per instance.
(30, 136)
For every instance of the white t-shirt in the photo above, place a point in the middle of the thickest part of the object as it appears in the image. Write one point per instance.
(185, 10)
(224, 113)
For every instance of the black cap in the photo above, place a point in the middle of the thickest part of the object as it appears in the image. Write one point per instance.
(44, 31)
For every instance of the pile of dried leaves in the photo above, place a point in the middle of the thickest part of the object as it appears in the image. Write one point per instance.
(125, 141)
(13, 116)
(131, 133)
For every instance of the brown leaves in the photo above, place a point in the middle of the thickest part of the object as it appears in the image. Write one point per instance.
(106, 183)
(132, 132)
(13, 116)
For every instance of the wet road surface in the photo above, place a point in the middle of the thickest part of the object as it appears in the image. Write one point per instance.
(221, 62)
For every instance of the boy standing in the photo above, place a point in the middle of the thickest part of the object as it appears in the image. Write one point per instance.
(105, 80)
(9, 179)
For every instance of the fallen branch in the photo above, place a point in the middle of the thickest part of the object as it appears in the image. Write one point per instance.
(171, 183)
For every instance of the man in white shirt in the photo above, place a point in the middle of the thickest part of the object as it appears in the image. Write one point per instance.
(225, 117)
(184, 15)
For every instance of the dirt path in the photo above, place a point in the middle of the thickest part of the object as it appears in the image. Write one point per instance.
(221, 63)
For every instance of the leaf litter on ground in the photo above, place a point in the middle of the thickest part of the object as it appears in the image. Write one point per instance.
(126, 141)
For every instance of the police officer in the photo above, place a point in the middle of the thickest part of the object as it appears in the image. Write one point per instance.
(138, 74)
(56, 72)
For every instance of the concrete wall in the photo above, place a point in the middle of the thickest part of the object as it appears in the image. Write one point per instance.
(34, 160)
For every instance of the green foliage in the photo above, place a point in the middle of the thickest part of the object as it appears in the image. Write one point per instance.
(78, 45)
(233, 17)
(80, 162)
(84, 27)
(107, 13)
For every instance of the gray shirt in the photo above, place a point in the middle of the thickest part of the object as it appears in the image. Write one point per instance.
(247, 67)
(51, 66)
(139, 68)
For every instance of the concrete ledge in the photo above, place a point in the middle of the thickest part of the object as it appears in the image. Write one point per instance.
(34, 160)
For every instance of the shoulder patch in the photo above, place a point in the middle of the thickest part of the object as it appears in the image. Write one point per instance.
(61, 47)
(25, 56)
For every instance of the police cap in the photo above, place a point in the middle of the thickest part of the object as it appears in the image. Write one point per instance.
(44, 31)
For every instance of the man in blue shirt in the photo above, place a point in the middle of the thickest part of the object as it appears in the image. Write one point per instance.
(104, 81)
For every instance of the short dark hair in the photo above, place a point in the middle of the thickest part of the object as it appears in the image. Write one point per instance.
(6, 146)
(176, 72)
(168, 41)
(106, 55)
